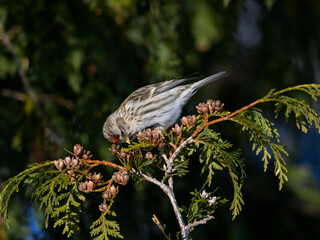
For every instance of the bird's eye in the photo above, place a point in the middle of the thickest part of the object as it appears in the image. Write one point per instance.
(122, 133)
(115, 138)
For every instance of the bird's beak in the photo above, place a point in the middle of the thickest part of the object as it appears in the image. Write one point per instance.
(128, 140)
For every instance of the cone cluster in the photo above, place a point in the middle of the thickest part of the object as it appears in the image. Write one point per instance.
(155, 136)
(86, 186)
(115, 149)
(177, 129)
(96, 177)
(75, 166)
(189, 121)
(92, 180)
(210, 107)
(74, 163)
(121, 177)
(103, 207)
(110, 193)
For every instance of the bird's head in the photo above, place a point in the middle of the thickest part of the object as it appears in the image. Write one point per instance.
(116, 129)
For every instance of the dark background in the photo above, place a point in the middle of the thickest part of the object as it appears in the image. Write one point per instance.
(83, 58)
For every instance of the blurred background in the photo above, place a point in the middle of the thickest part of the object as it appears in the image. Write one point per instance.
(83, 58)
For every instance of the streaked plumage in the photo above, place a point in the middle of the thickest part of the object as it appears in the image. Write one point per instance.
(154, 105)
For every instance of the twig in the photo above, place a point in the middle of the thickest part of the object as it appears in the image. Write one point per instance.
(26, 84)
(19, 96)
(235, 113)
(189, 140)
(199, 141)
(168, 189)
(174, 146)
(164, 156)
(13, 94)
(106, 163)
(196, 223)
(205, 123)
(110, 181)
(169, 192)
(92, 166)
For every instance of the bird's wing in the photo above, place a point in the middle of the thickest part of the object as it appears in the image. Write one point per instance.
(153, 90)
(167, 85)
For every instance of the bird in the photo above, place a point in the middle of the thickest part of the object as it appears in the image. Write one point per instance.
(155, 105)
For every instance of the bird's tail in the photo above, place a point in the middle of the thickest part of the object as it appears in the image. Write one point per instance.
(187, 91)
(208, 80)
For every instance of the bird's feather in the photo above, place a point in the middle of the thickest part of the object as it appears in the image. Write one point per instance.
(153, 90)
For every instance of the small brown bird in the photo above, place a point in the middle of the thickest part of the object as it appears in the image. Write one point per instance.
(155, 105)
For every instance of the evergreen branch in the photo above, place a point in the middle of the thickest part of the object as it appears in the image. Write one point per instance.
(214, 156)
(12, 185)
(311, 89)
(70, 219)
(48, 193)
(261, 134)
(237, 202)
(221, 119)
(257, 124)
(102, 228)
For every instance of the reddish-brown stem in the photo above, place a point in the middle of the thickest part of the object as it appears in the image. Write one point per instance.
(234, 113)
(199, 141)
(69, 151)
(92, 166)
(174, 146)
(106, 163)
(110, 181)
(206, 123)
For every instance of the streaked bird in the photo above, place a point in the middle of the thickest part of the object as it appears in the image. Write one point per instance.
(155, 105)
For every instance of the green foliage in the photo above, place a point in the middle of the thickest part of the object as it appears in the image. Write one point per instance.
(216, 155)
(304, 115)
(265, 139)
(205, 25)
(65, 214)
(181, 165)
(53, 190)
(60, 197)
(138, 161)
(102, 228)
(12, 186)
